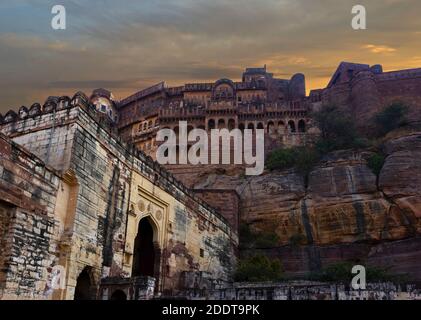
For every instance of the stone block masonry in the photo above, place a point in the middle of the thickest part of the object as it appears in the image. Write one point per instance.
(28, 234)
(104, 190)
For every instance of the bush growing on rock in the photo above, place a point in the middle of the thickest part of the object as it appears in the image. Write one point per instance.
(252, 240)
(376, 163)
(258, 268)
(341, 273)
(281, 159)
(337, 130)
(390, 118)
(301, 158)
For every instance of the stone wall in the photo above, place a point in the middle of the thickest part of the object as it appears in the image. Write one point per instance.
(28, 233)
(226, 202)
(305, 290)
(103, 181)
(368, 91)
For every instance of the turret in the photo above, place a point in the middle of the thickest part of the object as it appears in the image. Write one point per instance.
(297, 86)
(365, 97)
(104, 102)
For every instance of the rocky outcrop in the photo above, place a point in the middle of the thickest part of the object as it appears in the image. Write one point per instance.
(345, 212)
(400, 179)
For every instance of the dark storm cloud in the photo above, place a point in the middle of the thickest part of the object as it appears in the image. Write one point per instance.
(127, 45)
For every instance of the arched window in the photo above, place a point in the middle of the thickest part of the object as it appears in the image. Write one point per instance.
(231, 124)
(301, 126)
(241, 126)
(250, 126)
(271, 127)
(260, 126)
(291, 126)
(211, 124)
(150, 124)
(221, 124)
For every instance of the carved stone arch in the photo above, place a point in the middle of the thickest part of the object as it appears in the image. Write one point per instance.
(211, 124)
(231, 124)
(302, 126)
(291, 126)
(86, 283)
(271, 127)
(228, 93)
(221, 123)
(147, 250)
(154, 224)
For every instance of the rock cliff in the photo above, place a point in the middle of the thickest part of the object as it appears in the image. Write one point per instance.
(345, 212)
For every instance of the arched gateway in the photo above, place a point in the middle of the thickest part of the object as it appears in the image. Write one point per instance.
(144, 250)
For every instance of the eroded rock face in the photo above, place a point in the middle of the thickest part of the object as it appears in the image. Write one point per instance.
(344, 213)
(400, 178)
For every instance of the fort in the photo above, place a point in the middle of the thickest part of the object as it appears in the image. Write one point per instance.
(80, 189)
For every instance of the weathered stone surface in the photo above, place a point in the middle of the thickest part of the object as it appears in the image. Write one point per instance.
(343, 213)
(28, 229)
(400, 179)
(93, 206)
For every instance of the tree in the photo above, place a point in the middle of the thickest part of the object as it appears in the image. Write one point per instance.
(391, 118)
(337, 130)
(258, 268)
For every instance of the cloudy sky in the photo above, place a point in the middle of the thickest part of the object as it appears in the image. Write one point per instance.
(127, 45)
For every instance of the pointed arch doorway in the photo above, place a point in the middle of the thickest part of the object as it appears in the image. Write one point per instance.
(145, 255)
(84, 285)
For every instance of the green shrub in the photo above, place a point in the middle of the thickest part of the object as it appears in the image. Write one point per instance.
(338, 272)
(258, 268)
(266, 240)
(281, 159)
(391, 118)
(342, 272)
(301, 158)
(305, 159)
(337, 130)
(376, 162)
(246, 237)
(249, 239)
